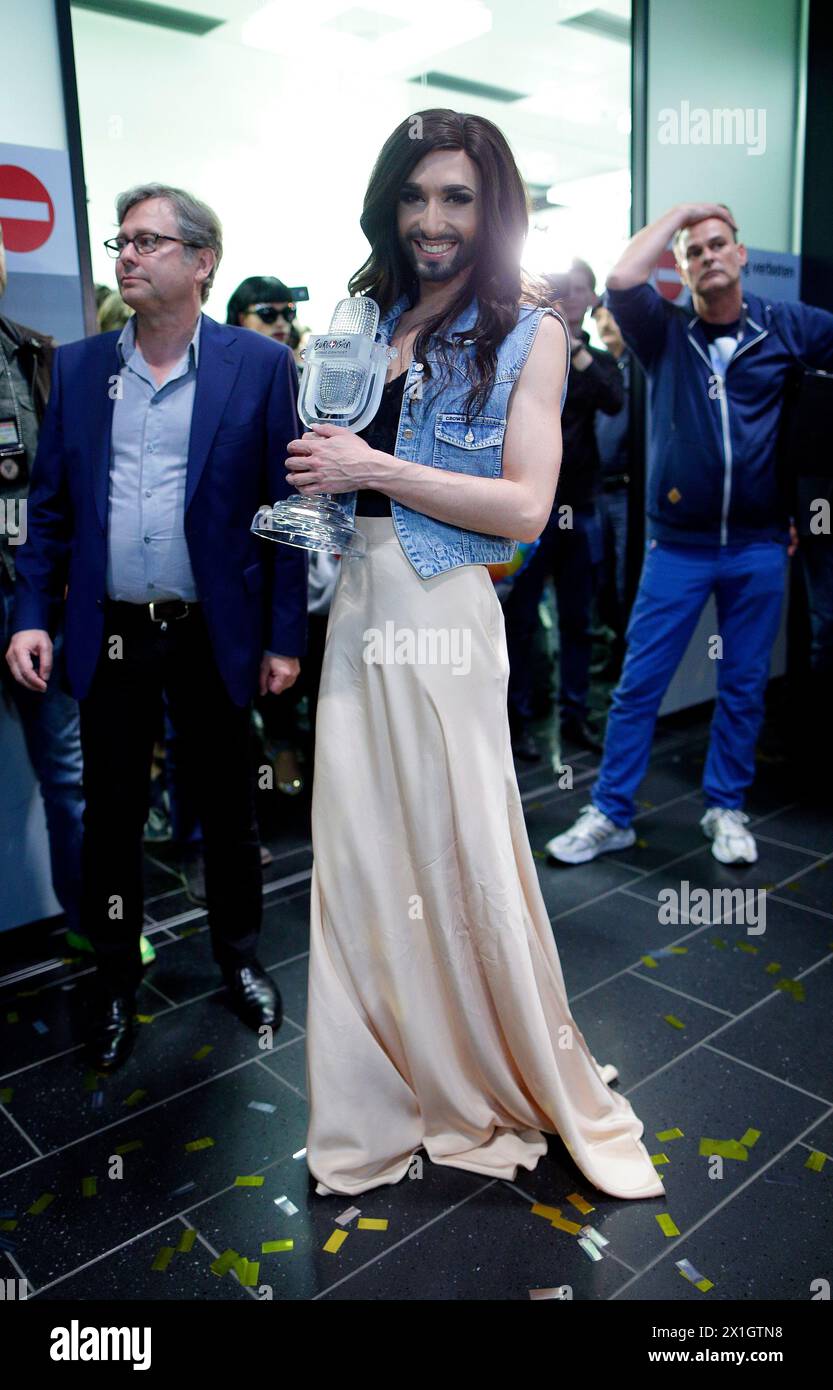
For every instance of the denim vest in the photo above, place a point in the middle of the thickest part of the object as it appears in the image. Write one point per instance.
(433, 430)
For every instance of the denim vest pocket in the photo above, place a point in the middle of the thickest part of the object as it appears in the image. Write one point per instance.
(469, 446)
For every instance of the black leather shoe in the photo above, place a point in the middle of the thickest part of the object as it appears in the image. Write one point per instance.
(112, 1032)
(254, 996)
(578, 732)
(525, 748)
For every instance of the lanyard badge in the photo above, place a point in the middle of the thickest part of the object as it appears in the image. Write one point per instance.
(12, 450)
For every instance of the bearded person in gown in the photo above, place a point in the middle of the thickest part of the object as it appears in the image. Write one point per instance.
(438, 1017)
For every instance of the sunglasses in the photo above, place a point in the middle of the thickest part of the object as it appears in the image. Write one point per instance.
(267, 313)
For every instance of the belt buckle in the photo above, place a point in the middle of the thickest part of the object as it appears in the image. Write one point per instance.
(163, 622)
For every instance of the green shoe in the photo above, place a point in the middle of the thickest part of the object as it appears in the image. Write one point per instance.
(83, 943)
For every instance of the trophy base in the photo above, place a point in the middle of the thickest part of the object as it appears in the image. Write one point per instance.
(312, 523)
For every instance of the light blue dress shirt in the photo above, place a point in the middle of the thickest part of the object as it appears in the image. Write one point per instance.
(147, 554)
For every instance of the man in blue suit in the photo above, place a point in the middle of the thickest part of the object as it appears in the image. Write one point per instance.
(158, 446)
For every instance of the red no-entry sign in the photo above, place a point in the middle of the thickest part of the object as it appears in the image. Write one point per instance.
(27, 213)
(668, 279)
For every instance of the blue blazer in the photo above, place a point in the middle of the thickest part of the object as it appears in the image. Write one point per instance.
(253, 592)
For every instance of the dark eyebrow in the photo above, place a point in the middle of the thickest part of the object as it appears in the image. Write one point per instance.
(410, 187)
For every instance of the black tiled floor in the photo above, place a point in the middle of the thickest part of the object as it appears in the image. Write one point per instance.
(789, 1198)
(750, 1055)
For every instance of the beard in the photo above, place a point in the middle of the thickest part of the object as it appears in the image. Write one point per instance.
(437, 272)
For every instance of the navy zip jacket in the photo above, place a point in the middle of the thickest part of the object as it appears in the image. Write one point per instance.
(711, 458)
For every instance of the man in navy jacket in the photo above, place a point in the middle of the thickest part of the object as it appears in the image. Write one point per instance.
(717, 523)
(158, 446)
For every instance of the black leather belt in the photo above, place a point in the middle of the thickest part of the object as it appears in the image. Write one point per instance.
(164, 612)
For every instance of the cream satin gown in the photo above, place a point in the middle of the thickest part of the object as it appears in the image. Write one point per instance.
(437, 1014)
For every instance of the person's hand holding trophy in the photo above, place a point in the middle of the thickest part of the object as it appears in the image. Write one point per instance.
(342, 384)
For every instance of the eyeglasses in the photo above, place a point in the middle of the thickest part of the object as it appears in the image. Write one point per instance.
(145, 243)
(268, 313)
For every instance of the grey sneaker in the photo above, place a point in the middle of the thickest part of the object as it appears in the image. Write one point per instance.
(593, 833)
(731, 841)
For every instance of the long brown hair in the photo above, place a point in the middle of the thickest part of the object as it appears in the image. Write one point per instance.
(495, 277)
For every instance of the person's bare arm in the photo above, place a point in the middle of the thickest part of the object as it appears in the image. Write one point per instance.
(516, 505)
(637, 261)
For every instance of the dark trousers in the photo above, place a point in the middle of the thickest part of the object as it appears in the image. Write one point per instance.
(119, 721)
(570, 556)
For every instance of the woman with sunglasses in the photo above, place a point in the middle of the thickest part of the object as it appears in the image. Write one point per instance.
(267, 305)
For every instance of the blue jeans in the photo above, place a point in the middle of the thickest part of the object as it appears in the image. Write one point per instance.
(53, 741)
(748, 584)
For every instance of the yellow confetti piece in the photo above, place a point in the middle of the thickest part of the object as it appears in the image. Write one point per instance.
(793, 987)
(579, 1203)
(135, 1097)
(88, 1187)
(549, 1212)
(666, 1135)
(725, 1148)
(538, 854)
(224, 1263)
(372, 1223)
(272, 1247)
(642, 844)
(202, 1052)
(335, 1242)
(704, 1285)
(9, 1224)
(187, 931)
(748, 948)
(131, 1147)
(678, 950)
(659, 1159)
(145, 1018)
(186, 1241)
(248, 1182)
(163, 1257)
(650, 962)
(196, 1144)
(750, 1138)
(666, 1225)
(38, 1207)
(248, 1272)
(13, 1017)
(6, 1094)
(571, 1227)
(673, 1020)
(719, 943)
(816, 1161)
(773, 967)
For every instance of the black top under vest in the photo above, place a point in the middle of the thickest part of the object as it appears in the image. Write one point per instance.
(381, 434)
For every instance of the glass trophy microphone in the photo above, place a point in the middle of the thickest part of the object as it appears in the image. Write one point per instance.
(344, 375)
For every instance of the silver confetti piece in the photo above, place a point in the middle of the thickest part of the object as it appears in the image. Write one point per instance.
(302, 1153)
(347, 1216)
(288, 1208)
(687, 1268)
(589, 1248)
(595, 1236)
(262, 1105)
(559, 1293)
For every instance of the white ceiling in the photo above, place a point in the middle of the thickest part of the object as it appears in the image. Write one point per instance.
(572, 124)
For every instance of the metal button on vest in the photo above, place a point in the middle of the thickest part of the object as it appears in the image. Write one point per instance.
(469, 437)
(407, 434)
